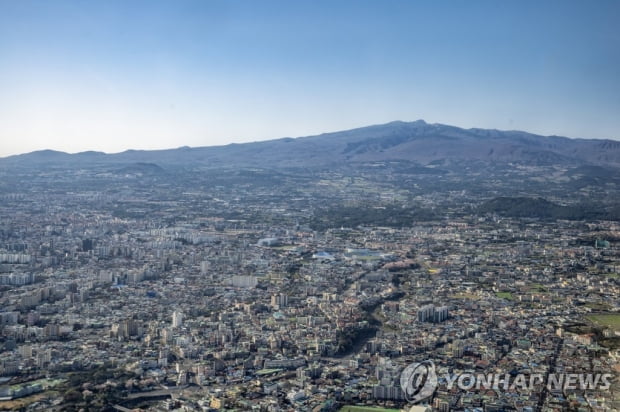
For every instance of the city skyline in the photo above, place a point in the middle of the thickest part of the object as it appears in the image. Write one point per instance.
(154, 75)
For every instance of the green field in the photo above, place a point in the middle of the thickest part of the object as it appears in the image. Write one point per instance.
(504, 295)
(366, 409)
(285, 247)
(610, 320)
(598, 306)
(267, 371)
(537, 287)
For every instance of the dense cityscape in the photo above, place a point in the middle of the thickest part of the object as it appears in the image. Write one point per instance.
(309, 206)
(247, 290)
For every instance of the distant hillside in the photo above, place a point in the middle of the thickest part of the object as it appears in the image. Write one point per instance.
(417, 141)
(141, 169)
(539, 208)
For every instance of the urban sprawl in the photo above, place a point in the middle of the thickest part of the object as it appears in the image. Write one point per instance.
(121, 300)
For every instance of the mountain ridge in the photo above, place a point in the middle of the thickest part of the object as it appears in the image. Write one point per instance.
(416, 141)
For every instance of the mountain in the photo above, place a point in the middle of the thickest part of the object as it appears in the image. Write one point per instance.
(418, 142)
(387, 175)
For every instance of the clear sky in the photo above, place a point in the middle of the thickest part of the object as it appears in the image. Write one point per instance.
(113, 75)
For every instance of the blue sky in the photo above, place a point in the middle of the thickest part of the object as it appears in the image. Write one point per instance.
(113, 75)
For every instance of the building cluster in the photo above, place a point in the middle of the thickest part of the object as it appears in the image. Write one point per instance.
(210, 313)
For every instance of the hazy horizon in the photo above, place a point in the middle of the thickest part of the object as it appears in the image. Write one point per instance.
(288, 137)
(142, 75)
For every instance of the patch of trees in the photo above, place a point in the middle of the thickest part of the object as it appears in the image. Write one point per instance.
(389, 216)
(350, 338)
(541, 208)
(75, 397)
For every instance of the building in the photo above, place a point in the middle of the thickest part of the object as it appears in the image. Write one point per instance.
(244, 281)
(279, 300)
(177, 319)
(431, 313)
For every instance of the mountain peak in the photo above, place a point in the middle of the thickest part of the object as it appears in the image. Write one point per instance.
(417, 141)
(419, 122)
(47, 152)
